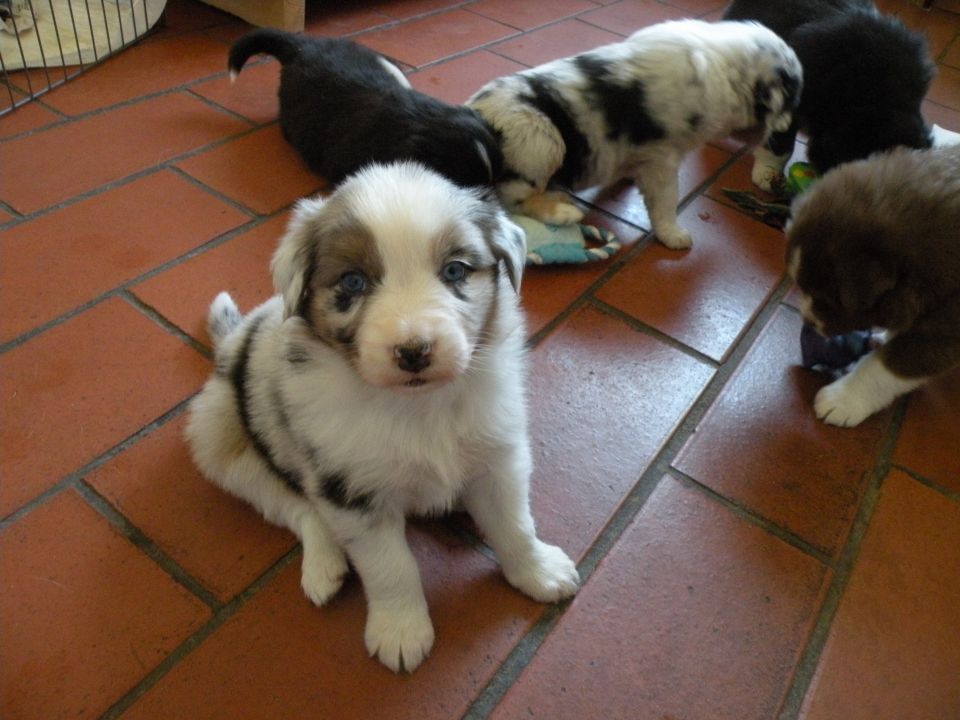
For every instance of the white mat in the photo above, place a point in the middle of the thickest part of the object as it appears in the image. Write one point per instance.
(74, 32)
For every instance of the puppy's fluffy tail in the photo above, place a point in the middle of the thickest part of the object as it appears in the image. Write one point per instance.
(223, 317)
(270, 41)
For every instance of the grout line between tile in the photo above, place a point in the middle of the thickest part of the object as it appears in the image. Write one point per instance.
(645, 329)
(146, 545)
(932, 484)
(790, 538)
(68, 480)
(805, 669)
(525, 650)
(221, 616)
(166, 324)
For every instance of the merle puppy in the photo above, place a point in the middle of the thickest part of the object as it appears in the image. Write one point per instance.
(865, 75)
(343, 106)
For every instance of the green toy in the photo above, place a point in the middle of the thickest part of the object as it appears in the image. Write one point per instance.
(798, 178)
(565, 244)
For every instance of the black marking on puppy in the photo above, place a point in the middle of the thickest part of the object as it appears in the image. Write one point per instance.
(305, 301)
(622, 105)
(334, 488)
(547, 100)
(238, 377)
(296, 355)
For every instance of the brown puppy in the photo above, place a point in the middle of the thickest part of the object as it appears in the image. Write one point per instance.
(876, 244)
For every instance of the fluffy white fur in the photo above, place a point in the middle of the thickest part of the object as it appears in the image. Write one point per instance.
(313, 385)
(634, 109)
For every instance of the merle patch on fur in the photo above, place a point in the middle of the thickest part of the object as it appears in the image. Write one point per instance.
(334, 488)
(238, 377)
(547, 100)
(623, 105)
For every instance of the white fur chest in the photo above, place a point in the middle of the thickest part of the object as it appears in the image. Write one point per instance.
(415, 451)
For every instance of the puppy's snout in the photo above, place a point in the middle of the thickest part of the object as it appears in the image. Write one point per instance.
(413, 356)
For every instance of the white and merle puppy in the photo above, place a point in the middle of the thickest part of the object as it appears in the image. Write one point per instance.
(386, 379)
(876, 244)
(343, 106)
(634, 109)
(865, 76)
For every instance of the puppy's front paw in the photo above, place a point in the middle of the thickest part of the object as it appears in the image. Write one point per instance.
(547, 575)
(675, 238)
(765, 176)
(322, 576)
(553, 208)
(401, 639)
(841, 403)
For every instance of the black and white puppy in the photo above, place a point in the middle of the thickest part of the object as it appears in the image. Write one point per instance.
(865, 75)
(343, 106)
(876, 244)
(634, 109)
(386, 379)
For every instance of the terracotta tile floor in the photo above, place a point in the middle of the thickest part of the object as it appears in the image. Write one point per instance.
(740, 559)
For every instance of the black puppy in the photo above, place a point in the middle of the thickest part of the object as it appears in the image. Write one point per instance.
(864, 77)
(343, 106)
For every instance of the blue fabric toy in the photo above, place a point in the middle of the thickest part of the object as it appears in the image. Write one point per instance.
(565, 244)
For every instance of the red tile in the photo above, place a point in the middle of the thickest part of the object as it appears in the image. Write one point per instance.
(566, 38)
(952, 55)
(696, 8)
(26, 118)
(405, 9)
(927, 441)
(694, 613)
(260, 170)
(945, 88)
(71, 159)
(457, 79)
(628, 16)
(892, 651)
(940, 27)
(217, 539)
(337, 19)
(185, 15)
(434, 37)
(527, 16)
(942, 116)
(624, 201)
(761, 445)
(707, 296)
(604, 400)
(141, 70)
(253, 94)
(78, 389)
(241, 266)
(71, 256)
(281, 657)
(85, 614)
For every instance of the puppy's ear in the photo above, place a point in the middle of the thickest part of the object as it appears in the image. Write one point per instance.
(509, 246)
(293, 262)
(865, 281)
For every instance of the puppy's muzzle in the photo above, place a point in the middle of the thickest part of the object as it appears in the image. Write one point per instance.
(413, 356)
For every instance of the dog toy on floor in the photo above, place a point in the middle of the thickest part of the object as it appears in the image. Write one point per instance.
(565, 244)
(798, 178)
(833, 353)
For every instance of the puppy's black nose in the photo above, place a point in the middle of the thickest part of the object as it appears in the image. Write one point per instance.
(412, 356)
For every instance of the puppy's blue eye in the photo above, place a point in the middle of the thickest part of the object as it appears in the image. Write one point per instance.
(353, 283)
(454, 271)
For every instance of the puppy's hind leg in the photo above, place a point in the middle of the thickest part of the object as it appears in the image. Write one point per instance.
(657, 180)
